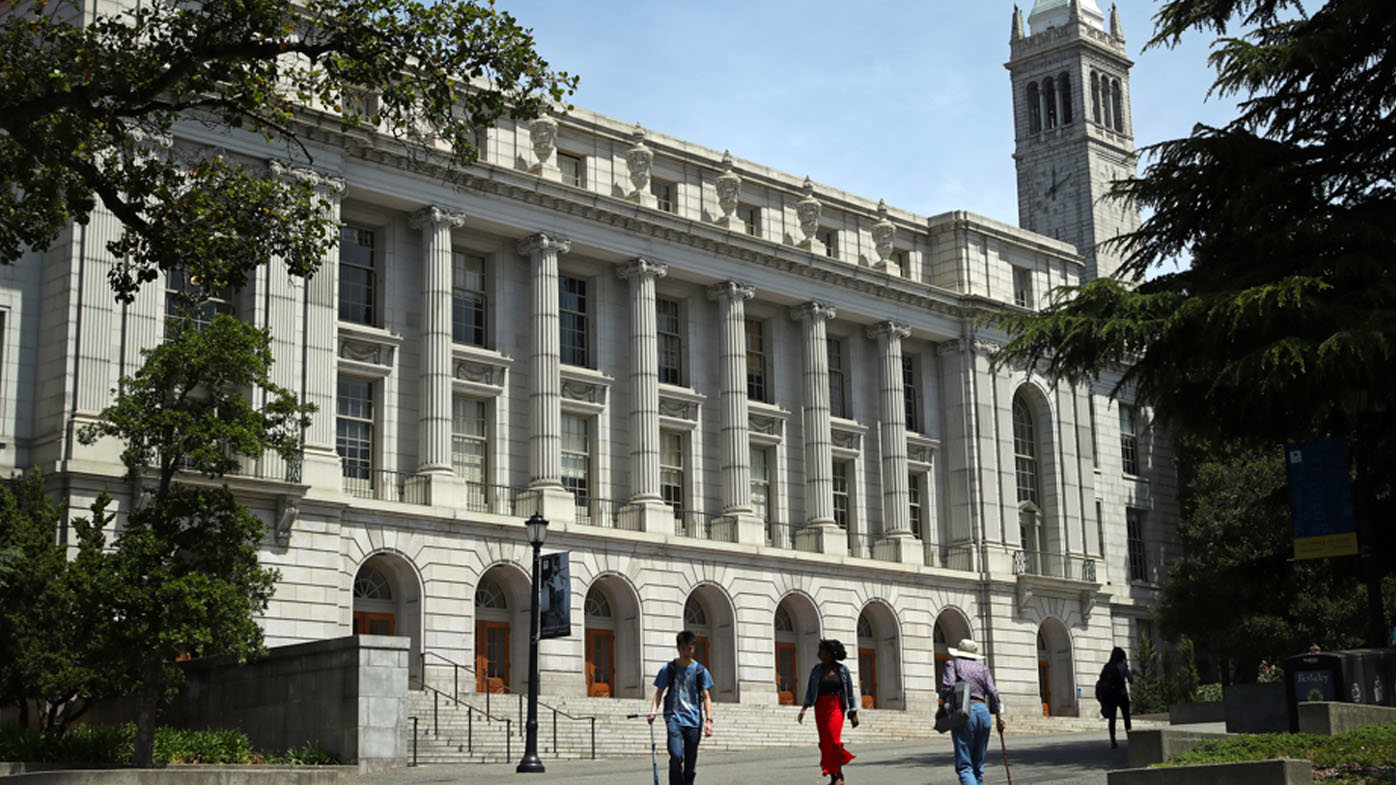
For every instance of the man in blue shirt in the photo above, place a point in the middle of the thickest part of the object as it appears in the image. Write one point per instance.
(688, 708)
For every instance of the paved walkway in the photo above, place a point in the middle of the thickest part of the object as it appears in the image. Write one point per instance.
(1066, 759)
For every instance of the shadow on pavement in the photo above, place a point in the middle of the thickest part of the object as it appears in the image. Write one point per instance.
(1044, 753)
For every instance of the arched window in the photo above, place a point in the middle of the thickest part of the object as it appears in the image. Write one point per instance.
(1095, 96)
(371, 585)
(1034, 109)
(1049, 97)
(597, 605)
(1064, 91)
(489, 595)
(1025, 451)
(1117, 105)
(693, 615)
(782, 621)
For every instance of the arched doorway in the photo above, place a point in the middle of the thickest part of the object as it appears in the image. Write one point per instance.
(708, 613)
(950, 628)
(1055, 682)
(879, 657)
(612, 639)
(796, 632)
(388, 601)
(501, 629)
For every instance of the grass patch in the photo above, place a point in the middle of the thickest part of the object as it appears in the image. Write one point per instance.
(114, 745)
(1365, 756)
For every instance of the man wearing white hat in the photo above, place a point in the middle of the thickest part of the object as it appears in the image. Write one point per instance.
(972, 738)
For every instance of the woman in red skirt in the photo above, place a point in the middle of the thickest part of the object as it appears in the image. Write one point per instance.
(830, 691)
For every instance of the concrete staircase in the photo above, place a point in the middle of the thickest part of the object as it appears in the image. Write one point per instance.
(460, 733)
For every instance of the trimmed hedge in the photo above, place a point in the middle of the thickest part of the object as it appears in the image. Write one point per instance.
(113, 746)
(1365, 756)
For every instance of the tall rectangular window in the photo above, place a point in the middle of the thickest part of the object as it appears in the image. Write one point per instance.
(1138, 558)
(354, 434)
(913, 487)
(576, 458)
(751, 219)
(756, 387)
(574, 319)
(1090, 412)
(671, 474)
(911, 394)
(900, 261)
(573, 169)
(468, 298)
(1129, 439)
(841, 495)
(838, 397)
(663, 194)
(1022, 287)
(358, 276)
(469, 434)
(761, 483)
(187, 298)
(670, 341)
(830, 238)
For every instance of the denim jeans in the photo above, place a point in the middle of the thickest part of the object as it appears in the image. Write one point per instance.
(971, 742)
(683, 752)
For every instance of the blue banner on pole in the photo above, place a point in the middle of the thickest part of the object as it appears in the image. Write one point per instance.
(1320, 499)
(555, 600)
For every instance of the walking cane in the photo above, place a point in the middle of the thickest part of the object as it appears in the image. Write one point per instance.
(1004, 747)
(654, 761)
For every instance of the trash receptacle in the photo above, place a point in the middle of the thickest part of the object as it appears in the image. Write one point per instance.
(1323, 676)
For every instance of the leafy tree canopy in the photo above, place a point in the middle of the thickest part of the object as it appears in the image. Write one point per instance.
(1283, 324)
(88, 103)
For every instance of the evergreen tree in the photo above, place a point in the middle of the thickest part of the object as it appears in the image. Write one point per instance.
(1147, 694)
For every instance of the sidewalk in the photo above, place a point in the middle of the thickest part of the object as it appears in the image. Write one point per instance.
(1074, 759)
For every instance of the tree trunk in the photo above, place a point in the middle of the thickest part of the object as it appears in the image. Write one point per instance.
(149, 702)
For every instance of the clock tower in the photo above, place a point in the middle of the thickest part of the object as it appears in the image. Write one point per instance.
(1072, 126)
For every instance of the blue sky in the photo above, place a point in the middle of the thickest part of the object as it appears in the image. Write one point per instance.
(901, 100)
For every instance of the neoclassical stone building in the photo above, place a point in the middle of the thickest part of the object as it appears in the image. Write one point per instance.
(748, 404)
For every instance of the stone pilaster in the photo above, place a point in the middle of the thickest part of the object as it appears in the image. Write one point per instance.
(434, 417)
(319, 380)
(898, 542)
(545, 378)
(736, 429)
(646, 503)
(819, 452)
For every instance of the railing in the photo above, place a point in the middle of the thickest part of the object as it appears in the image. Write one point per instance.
(780, 534)
(500, 499)
(470, 712)
(862, 545)
(500, 689)
(957, 557)
(388, 485)
(695, 524)
(1054, 565)
(592, 511)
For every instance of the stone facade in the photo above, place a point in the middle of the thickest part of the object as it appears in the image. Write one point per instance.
(770, 422)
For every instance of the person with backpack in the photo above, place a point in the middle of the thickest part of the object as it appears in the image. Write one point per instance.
(684, 685)
(971, 738)
(829, 690)
(1112, 690)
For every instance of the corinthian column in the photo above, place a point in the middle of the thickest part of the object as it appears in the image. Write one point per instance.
(819, 452)
(434, 420)
(898, 539)
(731, 298)
(644, 391)
(545, 377)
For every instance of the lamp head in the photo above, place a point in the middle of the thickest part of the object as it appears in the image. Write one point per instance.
(537, 528)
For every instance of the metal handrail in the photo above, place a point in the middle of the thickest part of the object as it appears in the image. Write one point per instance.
(469, 722)
(456, 668)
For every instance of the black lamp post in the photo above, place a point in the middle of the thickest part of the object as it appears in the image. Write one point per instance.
(537, 528)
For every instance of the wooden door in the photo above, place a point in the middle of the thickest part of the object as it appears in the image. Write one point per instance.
(601, 663)
(1044, 686)
(700, 650)
(867, 677)
(374, 623)
(491, 656)
(785, 673)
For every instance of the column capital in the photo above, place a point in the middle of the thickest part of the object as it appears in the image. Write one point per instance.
(731, 290)
(642, 268)
(544, 241)
(813, 310)
(325, 182)
(889, 329)
(435, 215)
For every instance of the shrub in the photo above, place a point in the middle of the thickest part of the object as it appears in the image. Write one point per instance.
(1365, 755)
(113, 745)
(1209, 693)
